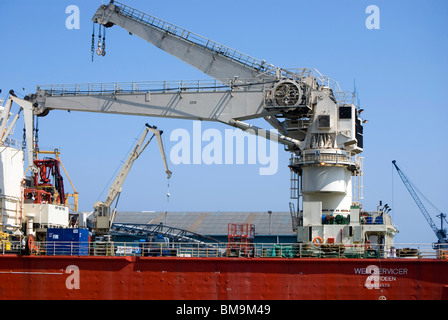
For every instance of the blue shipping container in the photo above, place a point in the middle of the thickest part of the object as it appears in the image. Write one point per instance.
(68, 242)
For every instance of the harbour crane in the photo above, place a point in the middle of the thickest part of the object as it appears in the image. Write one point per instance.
(103, 218)
(440, 233)
(313, 118)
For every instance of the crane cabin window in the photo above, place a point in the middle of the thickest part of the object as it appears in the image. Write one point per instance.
(345, 113)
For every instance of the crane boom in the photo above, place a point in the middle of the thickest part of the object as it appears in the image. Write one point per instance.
(214, 59)
(4, 117)
(440, 233)
(200, 100)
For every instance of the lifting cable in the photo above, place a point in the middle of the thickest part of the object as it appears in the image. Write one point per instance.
(93, 41)
(101, 51)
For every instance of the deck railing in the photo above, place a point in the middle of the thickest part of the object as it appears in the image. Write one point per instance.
(228, 250)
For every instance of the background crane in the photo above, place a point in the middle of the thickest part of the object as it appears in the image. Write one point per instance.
(440, 233)
(103, 216)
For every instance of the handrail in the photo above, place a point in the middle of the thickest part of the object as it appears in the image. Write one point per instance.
(323, 157)
(230, 250)
(13, 143)
(149, 86)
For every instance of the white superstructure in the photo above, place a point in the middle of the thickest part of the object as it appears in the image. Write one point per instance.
(21, 210)
(11, 178)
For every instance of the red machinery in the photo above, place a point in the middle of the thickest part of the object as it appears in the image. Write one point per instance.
(240, 239)
(46, 191)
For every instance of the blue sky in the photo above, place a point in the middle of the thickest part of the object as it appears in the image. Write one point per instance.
(400, 72)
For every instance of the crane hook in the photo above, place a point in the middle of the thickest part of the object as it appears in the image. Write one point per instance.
(99, 51)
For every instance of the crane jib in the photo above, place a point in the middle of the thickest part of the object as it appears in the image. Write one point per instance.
(440, 233)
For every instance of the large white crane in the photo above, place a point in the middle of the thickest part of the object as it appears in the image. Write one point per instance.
(315, 119)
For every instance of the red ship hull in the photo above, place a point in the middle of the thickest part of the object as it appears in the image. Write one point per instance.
(125, 278)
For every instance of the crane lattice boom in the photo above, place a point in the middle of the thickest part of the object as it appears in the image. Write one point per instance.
(104, 216)
(440, 233)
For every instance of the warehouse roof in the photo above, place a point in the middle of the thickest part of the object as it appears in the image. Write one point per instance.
(212, 223)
